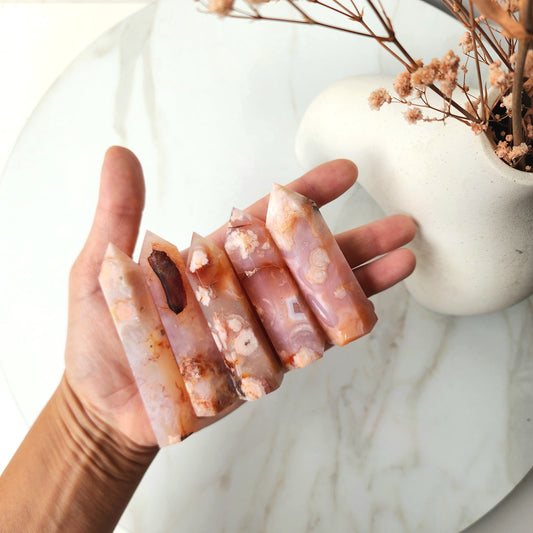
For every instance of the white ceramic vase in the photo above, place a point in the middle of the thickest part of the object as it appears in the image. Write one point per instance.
(474, 245)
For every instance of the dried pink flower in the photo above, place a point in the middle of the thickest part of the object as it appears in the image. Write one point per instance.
(436, 65)
(402, 84)
(379, 97)
(518, 151)
(450, 64)
(413, 115)
(467, 42)
(220, 7)
(448, 86)
(505, 152)
(448, 72)
(497, 76)
(478, 128)
(502, 150)
(424, 76)
(507, 102)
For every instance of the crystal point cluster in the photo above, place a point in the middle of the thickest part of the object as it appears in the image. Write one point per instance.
(288, 321)
(202, 335)
(319, 266)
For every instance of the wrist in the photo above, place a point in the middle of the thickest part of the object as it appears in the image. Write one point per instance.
(72, 472)
(103, 449)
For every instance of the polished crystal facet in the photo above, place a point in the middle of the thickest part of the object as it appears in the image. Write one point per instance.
(208, 381)
(235, 327)
(318, 266)
(147, 348)
(286, 317)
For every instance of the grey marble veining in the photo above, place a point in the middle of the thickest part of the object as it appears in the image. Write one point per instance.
(421, 427)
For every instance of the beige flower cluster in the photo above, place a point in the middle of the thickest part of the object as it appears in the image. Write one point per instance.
(467, 42)
(443, 71)
(510, 153)
(379, 97)
(413, 115)
(407, 84)
(498, 78)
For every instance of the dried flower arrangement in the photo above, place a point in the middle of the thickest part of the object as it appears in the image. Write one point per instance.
(497, 42)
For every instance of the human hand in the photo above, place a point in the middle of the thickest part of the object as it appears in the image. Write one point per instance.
(97, 370)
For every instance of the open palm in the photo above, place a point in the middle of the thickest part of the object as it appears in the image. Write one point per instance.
(96, 366)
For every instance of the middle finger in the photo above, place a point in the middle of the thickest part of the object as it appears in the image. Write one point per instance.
(362, 244)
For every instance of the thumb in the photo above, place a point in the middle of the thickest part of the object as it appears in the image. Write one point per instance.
(117, 218)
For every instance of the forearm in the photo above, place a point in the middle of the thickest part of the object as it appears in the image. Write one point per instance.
(71, 473)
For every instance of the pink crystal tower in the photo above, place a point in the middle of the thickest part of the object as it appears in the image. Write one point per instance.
(208, 381)
(319, 266)
(147, 348)
(286, 317)
(233, 323)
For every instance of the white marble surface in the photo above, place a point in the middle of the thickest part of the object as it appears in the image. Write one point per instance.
(421, 427)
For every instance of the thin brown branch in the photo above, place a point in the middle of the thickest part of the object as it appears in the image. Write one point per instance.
(353, 15)
(385, 23)
(518, 79)
(300, 10)
(427, 105)
(463, 17)
(311, 22)
(493, 39)
(518, 83)
(476, 60)
(347, 13)
(454, 104)
(495, 12)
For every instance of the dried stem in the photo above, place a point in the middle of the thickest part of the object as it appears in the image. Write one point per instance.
(518, 83)
(491, 39)
(476, 60)
(306, 19)
(453, 103)
(518, 79)
(463, 16)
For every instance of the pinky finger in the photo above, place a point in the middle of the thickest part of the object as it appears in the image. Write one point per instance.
(386, 271)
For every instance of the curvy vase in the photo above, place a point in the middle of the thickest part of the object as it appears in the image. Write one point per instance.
(474, 213)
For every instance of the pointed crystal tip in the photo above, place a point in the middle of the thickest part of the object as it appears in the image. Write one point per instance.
(285, 206)
(151, 236)
(196, 237)
(240, 218)
(237, 218)
(114, 252)
(290, 196)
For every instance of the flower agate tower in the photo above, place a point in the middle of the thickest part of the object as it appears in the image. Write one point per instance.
(288, 321)
(146, 346)
(208, 381)
(319, 266)
(233, 323)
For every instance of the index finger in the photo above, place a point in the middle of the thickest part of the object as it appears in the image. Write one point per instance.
(322, 184)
